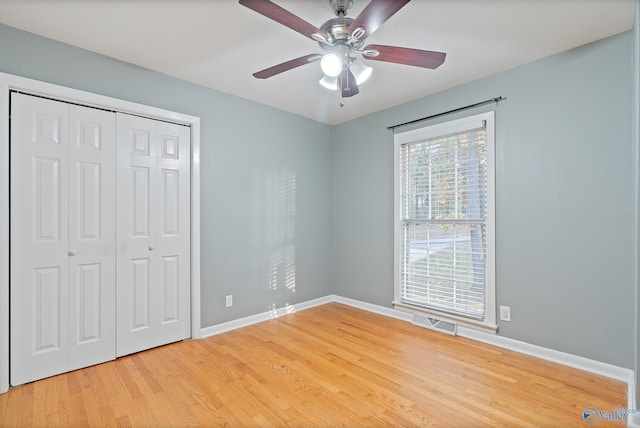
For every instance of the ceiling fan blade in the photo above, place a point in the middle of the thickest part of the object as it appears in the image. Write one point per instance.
(286, 66)
(347, 82)
(375, 14)
(283, 16)
(407, 56)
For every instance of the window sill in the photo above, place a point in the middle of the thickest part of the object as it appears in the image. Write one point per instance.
(460, 321)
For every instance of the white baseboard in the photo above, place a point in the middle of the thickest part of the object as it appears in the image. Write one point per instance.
(264, 316)
(581, 363)
(381, 310)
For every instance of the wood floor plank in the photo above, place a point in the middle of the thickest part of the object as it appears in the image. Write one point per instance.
(331, 365)
(4, 405)
(19, 407)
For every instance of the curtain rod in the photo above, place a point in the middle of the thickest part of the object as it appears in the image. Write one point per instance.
(481, 103)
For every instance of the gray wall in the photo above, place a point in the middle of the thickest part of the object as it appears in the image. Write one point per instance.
(565, 199)
(265, 177)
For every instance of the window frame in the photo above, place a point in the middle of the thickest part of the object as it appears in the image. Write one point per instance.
(488, 322)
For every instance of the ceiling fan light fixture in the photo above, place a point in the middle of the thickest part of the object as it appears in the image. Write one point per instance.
(360, 71)
(331, 64)
(330, 83)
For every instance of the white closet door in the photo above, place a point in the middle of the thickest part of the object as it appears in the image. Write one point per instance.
(39, 238)
(62, 281)
(92, 236)
(153, 236)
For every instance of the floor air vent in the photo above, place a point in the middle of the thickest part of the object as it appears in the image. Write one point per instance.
(436, 324)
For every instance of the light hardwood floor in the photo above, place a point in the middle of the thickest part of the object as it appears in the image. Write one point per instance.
(332, 365)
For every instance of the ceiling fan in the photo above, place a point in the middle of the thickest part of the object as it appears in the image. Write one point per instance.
(342, 39)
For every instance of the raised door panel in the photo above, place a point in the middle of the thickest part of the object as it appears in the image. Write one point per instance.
(170, 202)
(140, 201)
(47, 312)
(90, 288)
(89, 201)
(170, 292)
(39, 238)
(46, 186)
(91, 236)
(140, 285)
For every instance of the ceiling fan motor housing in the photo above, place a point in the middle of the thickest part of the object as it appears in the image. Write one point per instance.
(341, 7)
(338, 29)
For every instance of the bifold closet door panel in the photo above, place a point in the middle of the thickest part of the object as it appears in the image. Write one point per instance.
(92, 236)
(39, 238)
(62, 237)
(153, 236)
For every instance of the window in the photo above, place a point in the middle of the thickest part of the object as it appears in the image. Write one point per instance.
(445, 219)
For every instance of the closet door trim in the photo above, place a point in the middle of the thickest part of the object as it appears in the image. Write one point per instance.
(10, 83)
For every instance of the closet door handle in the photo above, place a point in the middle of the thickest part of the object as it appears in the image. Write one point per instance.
(152, 247)
(72, 253)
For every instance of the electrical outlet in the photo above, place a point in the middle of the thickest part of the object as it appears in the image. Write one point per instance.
(505, 313)
(229, 301)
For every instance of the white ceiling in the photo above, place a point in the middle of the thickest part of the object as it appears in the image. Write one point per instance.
(219, 43)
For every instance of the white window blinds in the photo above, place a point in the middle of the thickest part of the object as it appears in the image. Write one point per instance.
(443, 230)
